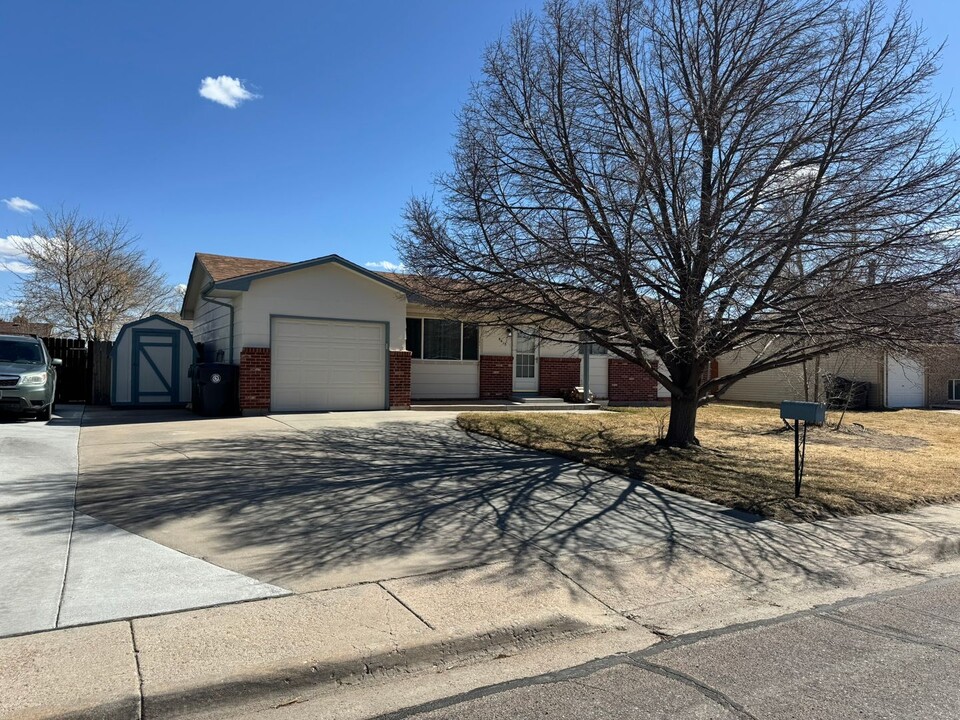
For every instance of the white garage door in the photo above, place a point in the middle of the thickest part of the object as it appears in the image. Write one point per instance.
(905, 386)
(321, 365)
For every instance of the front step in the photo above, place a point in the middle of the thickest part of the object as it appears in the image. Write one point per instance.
(534, 399)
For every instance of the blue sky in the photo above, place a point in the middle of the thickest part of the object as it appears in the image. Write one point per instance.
(355, 112)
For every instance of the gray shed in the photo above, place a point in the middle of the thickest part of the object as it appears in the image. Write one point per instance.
(151, 362)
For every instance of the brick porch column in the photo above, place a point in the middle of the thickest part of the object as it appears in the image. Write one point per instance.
(496, 377)
(400, 379)
(255, 381)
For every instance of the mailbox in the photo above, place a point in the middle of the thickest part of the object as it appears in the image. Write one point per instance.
(808, 412)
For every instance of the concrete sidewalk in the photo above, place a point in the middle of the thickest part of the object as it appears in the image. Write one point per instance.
(592, 602)
(60, 567)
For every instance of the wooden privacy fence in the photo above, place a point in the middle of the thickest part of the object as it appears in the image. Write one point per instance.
(85, 374)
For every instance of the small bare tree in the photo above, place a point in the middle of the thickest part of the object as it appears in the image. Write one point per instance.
(87, 277)
(685, 178)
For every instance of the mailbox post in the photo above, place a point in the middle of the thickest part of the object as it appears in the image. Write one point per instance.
(807, 412)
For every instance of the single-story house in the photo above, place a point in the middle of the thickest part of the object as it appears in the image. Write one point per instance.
(931, 379)
(327, 334)
(25, 327)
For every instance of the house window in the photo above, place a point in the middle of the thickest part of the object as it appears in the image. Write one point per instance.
(596, 349)
(953, 390)
(415, 337)
(436, 339)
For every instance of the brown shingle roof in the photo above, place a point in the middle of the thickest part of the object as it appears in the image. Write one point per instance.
(224, 267)
(25, 328)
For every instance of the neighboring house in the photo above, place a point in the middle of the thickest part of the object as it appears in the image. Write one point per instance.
(22, 327)
(327, 334)
(930, 380)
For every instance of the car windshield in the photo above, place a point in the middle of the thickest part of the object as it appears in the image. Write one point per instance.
(20, 352)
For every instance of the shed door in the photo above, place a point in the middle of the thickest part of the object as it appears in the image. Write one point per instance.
(905, 383)
(156, 372)
(319, 365)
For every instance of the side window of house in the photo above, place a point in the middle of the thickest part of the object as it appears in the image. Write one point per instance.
(953, 390)
(597, 349)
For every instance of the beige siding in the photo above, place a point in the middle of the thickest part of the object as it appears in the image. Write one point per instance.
(211, 326)
(329, 292)
(787, 383)
(444, 379)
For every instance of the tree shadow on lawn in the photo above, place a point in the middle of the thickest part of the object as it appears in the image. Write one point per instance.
(329, 499)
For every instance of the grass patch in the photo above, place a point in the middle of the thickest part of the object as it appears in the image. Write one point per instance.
(878, 462)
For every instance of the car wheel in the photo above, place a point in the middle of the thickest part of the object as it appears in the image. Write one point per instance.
(45, 414)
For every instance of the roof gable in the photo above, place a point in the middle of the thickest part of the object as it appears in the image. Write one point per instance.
(242, 282)
(225, 267)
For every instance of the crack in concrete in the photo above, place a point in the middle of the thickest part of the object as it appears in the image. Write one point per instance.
(410, 609)
(73, 523)
(891, 633)
(707, 691)
(136, 662)
(595, 597)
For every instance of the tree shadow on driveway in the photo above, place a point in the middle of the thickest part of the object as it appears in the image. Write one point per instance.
(331, 506)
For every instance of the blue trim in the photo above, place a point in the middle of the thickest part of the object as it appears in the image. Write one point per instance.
(242, 283)
(114, 365)
(137, 349)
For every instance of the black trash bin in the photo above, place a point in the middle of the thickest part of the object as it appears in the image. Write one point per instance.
(216, 391)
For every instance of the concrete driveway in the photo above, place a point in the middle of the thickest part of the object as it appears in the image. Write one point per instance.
(59, 567)
(311, 502)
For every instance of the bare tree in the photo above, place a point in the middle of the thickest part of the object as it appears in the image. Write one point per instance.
(87, 277)
(683, 178)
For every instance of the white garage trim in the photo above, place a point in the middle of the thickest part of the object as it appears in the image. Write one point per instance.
(381, 343)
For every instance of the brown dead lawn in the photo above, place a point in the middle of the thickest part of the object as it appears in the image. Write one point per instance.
(876, 462)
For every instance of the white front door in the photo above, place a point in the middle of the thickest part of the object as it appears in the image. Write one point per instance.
(526, 374)
(905, 383)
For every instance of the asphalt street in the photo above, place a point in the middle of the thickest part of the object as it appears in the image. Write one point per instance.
(59, 567)
(895, 655)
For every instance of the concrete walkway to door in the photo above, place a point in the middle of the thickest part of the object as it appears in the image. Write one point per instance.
(59, 567)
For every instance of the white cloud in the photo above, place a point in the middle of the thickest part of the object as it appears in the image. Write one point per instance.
(11, 257)
(386, 266)
(15, 266)
(18, 204)
(225, 90)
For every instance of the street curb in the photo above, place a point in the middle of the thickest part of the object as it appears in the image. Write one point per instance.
(447, 653)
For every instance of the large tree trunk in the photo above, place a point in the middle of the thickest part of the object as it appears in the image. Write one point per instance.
(682, 431)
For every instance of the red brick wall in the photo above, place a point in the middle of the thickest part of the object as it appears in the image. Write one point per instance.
(400, 378)
(629, 382)
(496, 377)
(558, 374)
(255, 379)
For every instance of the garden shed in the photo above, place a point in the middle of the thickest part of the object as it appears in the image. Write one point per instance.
(151, 361)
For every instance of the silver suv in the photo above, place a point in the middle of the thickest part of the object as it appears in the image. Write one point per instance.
(28, 376)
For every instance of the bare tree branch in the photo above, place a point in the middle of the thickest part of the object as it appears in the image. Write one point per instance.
(88, 277)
